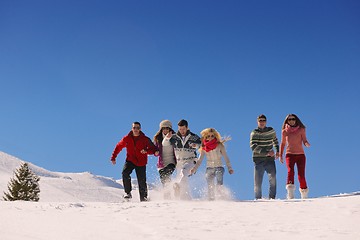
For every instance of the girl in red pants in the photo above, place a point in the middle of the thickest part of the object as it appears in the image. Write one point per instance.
(293, 138)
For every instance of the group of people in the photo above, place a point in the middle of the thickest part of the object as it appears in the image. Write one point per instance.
(178, 151)
(263, 141)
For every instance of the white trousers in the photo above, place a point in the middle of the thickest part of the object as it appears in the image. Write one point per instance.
(183, 172)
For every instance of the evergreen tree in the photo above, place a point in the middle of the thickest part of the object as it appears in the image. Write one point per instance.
(24, 186)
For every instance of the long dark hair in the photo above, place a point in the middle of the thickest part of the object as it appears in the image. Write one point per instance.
(158, 138)
(297, 121)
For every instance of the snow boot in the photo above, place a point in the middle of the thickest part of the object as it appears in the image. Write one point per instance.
(290, 191)
(304, 193)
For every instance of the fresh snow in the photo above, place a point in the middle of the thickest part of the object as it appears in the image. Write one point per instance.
(85, 206)
(63, 187)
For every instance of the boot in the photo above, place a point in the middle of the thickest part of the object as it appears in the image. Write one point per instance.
(290, 191)
(304, 193)
(127, 196)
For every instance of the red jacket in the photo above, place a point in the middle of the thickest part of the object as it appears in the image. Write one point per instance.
(134, 145)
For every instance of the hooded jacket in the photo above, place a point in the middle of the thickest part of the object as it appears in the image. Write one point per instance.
(134, 145)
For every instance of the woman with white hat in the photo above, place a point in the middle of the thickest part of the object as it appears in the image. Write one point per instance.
(166, 158)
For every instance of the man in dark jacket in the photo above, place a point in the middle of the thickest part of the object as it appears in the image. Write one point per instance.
(138, 147)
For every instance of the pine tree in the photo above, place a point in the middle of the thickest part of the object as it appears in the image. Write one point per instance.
(24, 186)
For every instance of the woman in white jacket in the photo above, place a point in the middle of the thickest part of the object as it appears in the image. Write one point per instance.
(213, 148)
(166, 157)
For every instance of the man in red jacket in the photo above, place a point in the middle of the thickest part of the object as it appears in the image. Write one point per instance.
(138, 147)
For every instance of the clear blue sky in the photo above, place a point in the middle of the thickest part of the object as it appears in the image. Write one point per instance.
(75, 74)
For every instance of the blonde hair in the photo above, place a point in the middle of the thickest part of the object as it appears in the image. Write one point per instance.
(207, 131)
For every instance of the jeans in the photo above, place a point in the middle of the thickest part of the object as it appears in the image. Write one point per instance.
(260, 166)
(217, 172)
(141, 177)
(211, 174)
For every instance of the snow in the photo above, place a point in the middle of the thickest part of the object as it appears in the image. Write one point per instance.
(63, 187)
(85, 206)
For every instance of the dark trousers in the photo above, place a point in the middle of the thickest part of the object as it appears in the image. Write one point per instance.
(165, 173)
(141, 177)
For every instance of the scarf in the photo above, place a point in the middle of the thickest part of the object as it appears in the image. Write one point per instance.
(291, 129)
(210, 145)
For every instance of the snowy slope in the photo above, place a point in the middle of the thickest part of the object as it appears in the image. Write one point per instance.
(70, 187)
(84, 206)
(63, 187)
(331, 218)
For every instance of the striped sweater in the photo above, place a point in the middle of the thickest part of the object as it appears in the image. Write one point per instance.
(262, 141)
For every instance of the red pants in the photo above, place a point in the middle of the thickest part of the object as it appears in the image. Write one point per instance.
(300, 161)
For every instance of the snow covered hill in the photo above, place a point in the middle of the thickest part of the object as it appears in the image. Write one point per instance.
(64, 187)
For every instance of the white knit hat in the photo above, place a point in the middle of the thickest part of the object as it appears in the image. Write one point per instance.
(165, 123)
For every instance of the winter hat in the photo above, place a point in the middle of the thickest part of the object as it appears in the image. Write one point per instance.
(165, 123)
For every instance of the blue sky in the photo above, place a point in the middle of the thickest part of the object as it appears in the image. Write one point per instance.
(75, 74)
